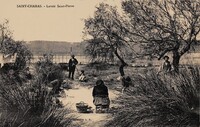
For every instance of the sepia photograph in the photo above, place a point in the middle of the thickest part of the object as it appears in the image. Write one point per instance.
(99, 63)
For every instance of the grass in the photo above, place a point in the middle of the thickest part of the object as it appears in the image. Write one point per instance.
(31, 104)
(51, 118)
(48, 71)
(153, 101)
(160, 101)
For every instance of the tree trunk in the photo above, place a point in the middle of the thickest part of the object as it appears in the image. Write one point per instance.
(176, 60)
(123, 63)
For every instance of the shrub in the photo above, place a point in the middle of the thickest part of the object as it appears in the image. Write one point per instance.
(51, 118)
(31, 105)
(8, 46)
(48, 71)
(160, 101)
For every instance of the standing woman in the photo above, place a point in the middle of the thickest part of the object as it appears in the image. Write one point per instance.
(166, 66)
(72, 66)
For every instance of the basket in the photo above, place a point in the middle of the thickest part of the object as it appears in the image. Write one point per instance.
(83, 107)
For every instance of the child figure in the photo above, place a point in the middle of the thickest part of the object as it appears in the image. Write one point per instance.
(82, 77)
(126, 82)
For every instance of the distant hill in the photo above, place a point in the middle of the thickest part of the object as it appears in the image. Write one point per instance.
(56, 47)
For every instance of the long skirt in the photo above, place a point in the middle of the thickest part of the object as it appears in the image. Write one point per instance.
(101, 101)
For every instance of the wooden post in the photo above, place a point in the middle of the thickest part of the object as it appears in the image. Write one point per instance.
(71, 51)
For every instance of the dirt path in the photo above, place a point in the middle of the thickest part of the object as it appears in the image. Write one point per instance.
(81, 93)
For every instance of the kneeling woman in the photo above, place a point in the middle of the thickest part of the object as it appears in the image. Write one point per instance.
(100, 95)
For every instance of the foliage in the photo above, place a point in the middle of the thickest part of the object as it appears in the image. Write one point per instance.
(158, 26)
(8, 46)
(24, 55)
(106, 30)
(31, 104)
(51, 118)
(23, 102)
(163, 26)
(97, 53)
(47, 70)
(160, 101)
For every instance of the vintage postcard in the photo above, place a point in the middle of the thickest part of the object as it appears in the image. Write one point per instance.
(99, 63)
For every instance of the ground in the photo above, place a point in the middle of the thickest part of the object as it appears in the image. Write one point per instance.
(82, 91)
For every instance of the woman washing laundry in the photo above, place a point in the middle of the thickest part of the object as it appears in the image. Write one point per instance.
(101, 96)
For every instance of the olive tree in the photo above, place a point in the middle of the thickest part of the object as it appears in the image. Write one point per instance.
(107, 29)
(163, 26)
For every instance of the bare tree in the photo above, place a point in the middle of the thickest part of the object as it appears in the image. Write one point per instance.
(163, 26)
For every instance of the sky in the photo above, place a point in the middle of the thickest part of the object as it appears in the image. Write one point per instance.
(52, 24)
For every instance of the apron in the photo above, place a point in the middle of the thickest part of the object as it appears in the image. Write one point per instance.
(101, 101)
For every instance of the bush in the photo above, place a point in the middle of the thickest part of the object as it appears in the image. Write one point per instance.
(8, 46)
(160, 101)
(31, 105)
(51, 118)
(48, 71)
